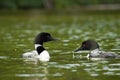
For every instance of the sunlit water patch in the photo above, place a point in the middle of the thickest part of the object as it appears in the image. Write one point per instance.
(3, 57)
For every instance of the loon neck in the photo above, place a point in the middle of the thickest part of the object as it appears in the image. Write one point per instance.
(37, 45)
(39, 48)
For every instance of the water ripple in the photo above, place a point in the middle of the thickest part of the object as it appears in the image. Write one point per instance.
(30, 75)
(3, 57)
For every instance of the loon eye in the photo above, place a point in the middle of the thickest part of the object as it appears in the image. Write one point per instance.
(48, 36)
(84, 45)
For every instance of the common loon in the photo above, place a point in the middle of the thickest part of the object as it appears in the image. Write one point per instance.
(40, 52)
(95, 52)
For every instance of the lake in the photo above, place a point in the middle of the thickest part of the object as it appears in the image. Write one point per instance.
(18, 30)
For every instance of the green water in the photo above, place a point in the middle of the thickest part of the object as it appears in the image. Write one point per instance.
(17, 32)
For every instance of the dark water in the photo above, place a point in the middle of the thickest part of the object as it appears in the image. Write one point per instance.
(17, 33)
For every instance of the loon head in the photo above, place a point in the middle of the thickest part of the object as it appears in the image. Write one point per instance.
(40, 39)
(43, 37)
(88, 45)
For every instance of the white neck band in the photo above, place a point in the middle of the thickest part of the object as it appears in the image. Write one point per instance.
(37, 45)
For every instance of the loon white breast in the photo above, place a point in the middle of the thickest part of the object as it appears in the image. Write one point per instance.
(40, 52)
(95, 51)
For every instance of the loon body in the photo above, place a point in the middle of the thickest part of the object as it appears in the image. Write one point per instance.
(40, 52)
(95, 52)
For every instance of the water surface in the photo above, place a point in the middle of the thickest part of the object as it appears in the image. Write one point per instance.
(17, 33)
